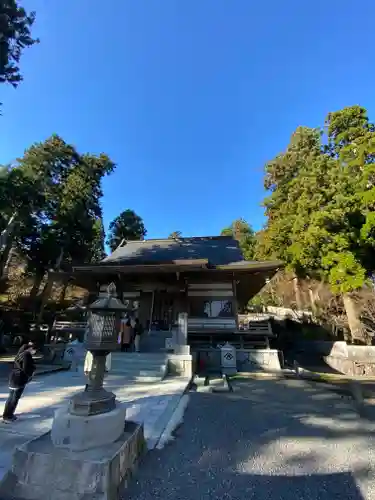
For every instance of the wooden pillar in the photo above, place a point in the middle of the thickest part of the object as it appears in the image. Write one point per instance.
(297, 292)
(235, 302)
(144, 308)
(119, 286)
(151, 310)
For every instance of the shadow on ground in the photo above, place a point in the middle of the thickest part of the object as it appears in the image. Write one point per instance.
(272, 439)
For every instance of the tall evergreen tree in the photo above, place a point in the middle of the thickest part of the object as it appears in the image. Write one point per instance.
(241, 231)
(56, 199)
(126, 226)
(317, 213)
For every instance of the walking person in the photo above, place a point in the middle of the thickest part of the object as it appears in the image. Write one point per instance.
(88, 365)
(138, 330)
(22, 372)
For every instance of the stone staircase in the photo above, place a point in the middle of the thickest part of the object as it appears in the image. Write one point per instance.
(140, 367)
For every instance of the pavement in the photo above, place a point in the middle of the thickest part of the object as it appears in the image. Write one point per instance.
(270, 439)
(152, 404)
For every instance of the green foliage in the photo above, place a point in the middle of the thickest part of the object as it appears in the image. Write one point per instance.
(55, 192)
(126, 226)
(241, 231)
(97, 250)
(15, 36)
(322, 196)
(264, 299)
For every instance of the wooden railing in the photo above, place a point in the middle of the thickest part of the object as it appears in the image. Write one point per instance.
(67, 329)
(69, 325)
(211, 324)
(204, 333)
(258, 328)
(54, 353)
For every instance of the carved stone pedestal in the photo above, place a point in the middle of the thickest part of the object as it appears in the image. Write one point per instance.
(40, 471)
(79, 433)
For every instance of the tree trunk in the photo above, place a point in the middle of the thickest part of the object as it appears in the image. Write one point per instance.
(5, 258)
(354, 322)
(6, 243)
(312, 301)
(297, 292)
(8, 261)
(5, 233)
(36, 285)
(63, 292)
(47, 289)
(44, 299)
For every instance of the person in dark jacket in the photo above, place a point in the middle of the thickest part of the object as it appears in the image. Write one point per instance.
(22, 372)
(24, 347)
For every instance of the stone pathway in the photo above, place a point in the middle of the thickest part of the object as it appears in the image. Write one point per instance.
(268, 440)
(152, 404)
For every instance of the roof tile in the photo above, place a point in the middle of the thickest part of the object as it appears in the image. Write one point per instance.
(218, 250)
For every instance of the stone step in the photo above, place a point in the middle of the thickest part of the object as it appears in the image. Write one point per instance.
(140, 356)
(141, 378)
(141, 370)
(137, 362)
(155, 355)
(143, 367)
(158, 372)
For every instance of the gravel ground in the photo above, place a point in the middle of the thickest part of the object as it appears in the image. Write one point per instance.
(286, 439)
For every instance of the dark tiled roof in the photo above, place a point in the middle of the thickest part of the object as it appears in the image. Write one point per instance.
(218, 250)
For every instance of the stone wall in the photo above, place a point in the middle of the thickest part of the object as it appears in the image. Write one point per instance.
(248, 360)
(352, 360)
(325, 348)
(351, 367)
(361, 352)
(285, 312)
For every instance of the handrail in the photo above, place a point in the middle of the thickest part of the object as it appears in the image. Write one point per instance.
(69, 325)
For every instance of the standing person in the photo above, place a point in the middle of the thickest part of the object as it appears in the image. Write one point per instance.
(71, 354)
(22, 372)
(138, 330)
(88, 364)
(126, 335)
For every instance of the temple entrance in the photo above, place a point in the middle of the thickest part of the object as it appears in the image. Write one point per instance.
(162, 314)
(159, 309)
(166, 308)
(158, 312)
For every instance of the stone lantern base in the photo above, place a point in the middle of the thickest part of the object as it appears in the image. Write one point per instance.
(91, 403)
(79, 433)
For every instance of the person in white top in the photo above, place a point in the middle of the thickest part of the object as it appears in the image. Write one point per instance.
(88, 364)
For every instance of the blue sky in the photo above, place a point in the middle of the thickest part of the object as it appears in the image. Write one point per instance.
(189, 97)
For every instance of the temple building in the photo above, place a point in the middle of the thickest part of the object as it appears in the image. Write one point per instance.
(205, 277)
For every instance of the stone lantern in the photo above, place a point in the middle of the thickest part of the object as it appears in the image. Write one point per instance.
(101, 338)
(91, 450)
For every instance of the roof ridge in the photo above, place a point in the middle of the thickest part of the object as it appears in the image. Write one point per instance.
(181, 238)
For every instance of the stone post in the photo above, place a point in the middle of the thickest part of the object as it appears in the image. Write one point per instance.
(96, 375)
(181, 346)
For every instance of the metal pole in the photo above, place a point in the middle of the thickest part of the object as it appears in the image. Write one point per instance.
(151, 311)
